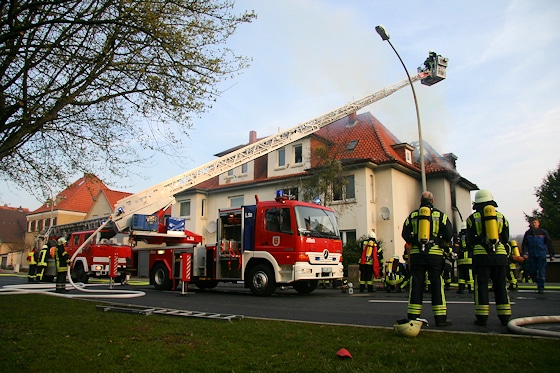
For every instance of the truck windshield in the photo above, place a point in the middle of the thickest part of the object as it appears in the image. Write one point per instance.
(316, 222)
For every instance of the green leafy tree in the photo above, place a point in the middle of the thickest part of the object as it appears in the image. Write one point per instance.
(90, 85)
(548, 196)
(324, 178)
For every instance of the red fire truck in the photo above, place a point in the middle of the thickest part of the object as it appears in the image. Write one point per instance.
(265, 245)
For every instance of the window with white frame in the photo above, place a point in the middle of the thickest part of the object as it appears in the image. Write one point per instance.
(230, 173)
(203, 208)
(244, 169)
(281, 155)
(348, 236)
(185, 208)
(298, 154)
(236, 201)
(345, 191)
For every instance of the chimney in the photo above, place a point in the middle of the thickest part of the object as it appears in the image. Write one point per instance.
(352, 119)
(252, 137)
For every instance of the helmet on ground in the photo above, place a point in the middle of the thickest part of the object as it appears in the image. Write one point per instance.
(344, 353)
(408, 328)
(372, 235)
(61, 241)
(483, 195)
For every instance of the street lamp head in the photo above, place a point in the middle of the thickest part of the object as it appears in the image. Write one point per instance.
(382, 32)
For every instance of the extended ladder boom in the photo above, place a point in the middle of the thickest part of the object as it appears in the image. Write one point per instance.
(161, 195)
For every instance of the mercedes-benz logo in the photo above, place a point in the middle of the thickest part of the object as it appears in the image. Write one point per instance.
(326, 254)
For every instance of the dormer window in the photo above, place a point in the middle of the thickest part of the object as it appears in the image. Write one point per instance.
(408, 156)
(352, 145)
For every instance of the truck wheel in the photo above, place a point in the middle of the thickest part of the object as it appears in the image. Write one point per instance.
(79, 274)
(159, 277)
(305, 286)
(261, 281)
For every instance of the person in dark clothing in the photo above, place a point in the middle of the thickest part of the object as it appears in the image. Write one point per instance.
(536, 245)
(487, 235)
(371, 263)
(427, 247)
(32, 258)
(62, 260)
(42, 263)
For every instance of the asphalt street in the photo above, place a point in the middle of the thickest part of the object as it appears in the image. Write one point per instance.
(328, 305)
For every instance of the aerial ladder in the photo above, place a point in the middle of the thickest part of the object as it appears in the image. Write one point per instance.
(159, 197)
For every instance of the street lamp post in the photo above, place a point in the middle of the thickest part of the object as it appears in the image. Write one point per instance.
(385, 36)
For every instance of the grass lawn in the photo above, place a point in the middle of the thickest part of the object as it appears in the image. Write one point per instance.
(50, 334)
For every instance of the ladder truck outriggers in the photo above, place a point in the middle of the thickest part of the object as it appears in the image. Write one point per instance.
(265, 245)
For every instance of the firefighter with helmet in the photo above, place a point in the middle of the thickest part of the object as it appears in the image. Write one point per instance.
(42, 262)
(487, 234)
(429, 232)
(32, 258)
(371, 263)
(464, 261)
(62, 260)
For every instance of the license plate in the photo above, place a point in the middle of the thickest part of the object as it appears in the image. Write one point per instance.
(326, 269)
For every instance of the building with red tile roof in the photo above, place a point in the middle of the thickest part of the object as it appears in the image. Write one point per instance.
(383, 174)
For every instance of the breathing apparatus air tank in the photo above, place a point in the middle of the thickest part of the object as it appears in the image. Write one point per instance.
(515, 254)
(424, 215)
(491, 225)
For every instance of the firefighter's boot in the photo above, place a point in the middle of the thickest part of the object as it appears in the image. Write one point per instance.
(362, 288)
(370, 289)
(461, 289)
(441, 320)
(481, 320)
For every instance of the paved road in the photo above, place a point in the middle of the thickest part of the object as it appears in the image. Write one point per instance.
(379, 309)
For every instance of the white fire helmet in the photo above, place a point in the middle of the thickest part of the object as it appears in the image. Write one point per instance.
(61, 241)
(483, 195)
(371, 234)
(409, 328)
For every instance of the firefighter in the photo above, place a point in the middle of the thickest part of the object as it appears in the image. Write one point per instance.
(487, 234)
(32, 258)
(513, 258)
(464, 262)
(393, 274)
(448, 265)
(371, 263)
(406, 267)
(62, 260)
(429, 232)
(42, 262)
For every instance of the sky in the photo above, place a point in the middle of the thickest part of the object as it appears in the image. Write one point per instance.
(498, 110)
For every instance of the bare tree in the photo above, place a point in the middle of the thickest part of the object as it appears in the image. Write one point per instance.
(77, 76)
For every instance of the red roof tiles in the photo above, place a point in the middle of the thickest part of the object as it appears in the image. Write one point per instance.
(77, 197)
